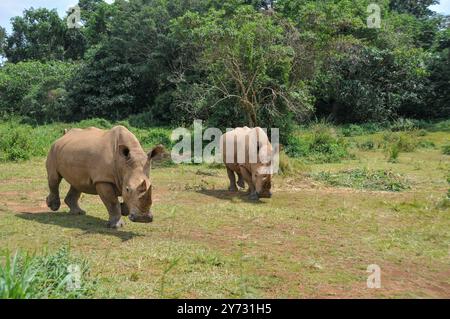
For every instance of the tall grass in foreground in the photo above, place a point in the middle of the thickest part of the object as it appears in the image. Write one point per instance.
(49, 276)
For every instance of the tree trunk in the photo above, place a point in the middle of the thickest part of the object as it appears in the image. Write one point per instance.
(250, 109)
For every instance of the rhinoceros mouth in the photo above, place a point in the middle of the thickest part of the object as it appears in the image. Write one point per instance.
(265, 195)
(124, 209)
(135, 218)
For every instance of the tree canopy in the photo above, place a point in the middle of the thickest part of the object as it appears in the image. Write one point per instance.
(235, 62)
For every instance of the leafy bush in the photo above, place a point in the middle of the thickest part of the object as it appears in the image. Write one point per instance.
(297, 147)
(46, 276)
(154, 136)
(21, 142)
(367, 145)
(353, 130)
(426, 144)
(381, 180)
(95, 122)
(319, 145)
(393, 153)
(405, 142)
(15, 143)
(402, 124)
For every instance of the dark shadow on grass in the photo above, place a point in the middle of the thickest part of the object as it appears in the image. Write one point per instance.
(89, 224)
(227, 195)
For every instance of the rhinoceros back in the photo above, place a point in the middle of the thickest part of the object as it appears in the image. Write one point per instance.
(85, 157)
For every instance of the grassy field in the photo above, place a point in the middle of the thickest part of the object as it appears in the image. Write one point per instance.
(315, 238)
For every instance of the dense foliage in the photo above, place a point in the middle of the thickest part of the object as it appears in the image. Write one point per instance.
(235, 62)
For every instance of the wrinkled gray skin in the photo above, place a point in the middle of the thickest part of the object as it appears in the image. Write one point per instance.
(110, 164)
(257, 175)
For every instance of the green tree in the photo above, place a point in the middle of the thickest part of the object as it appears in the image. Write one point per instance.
(2, 40)
(418, 8)
(35, 90)
(37, 35)
(361, 83)
(439, 98)
(247, 60)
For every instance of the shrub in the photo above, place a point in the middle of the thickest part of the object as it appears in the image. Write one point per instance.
(142, 120)
(15, 142)
(395, 143)
(406, 143)
(353, 130)
(95, 122)
(46, 276)
(367, 145)
(394, 152)
(403, 125)
(426, 144)
(155, 136)
(320, 145)
(297, 147)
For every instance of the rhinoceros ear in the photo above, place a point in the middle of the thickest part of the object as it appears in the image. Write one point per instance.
(143, 187)
(124, 151)
(156, 153)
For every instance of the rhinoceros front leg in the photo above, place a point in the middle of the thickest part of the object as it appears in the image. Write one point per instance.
(232, 178)
(54, 179)
(248, 178)
(109, 198)
(71, 200)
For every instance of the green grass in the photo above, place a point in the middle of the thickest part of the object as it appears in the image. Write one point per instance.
(446, 149)
(20, 141)
(380, 180)
(56, 275)
(308, 241)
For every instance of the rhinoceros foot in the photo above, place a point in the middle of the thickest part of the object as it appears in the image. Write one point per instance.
(53, 202)
(254, 196)
(78, 211)
(115, 224)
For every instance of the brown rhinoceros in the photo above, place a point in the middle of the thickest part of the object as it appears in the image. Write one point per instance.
(109, 163)
(249, 153)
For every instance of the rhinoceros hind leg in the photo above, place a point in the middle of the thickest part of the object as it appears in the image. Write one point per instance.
(53, 201)
(248, 179)
(109, 198)
(232, 178)
(71, 200)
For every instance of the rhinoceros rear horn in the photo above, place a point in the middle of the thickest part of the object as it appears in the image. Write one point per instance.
(156, 153)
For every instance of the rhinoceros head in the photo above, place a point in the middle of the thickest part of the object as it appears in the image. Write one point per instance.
(136, 184)
(262, 180)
